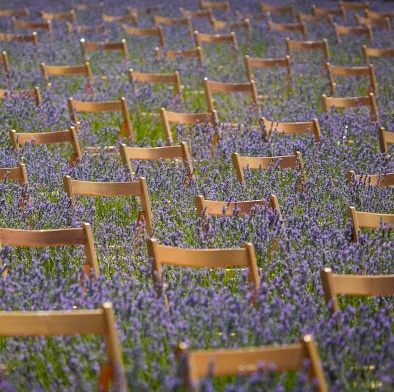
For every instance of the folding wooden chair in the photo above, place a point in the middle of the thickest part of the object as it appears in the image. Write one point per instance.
(69, 16)
(129, 18)
(30, 25)
(120, 46)
(215, 5)
(24, 12)
(351, 102)
(376, 52)
(363, 71)
(339, 12)
(264, 163)
(368, 220)
(67, 136)
(347, 284)
(179, 54)
(22, 94)
(167, 21)
(373, 22)
(14, 174)
(322, 45)
(168, 118)
(291, 128)
(352, 30)
(202, 258)
(99, 107)
(245, 25)
(197, 364)
(53, 323)
(281, 10)
(300, 27)
(156, 31)
(217, 39)
(385, 138)
(381, 180)
(84, 29)
(7, 37)
(55, 237)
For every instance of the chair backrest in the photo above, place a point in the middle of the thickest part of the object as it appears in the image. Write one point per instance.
(292, 45)
(354, 5)
(168, 118)
(7, 37)
(364, 71)
(24, 12)
(145, 11)
(376, 52)
(156, 153)
(197, 364)
(351, 102)
(310, 18)
(27, 94)
(179, 54)
(83, 29)
(217, 39)
(99, 321)
(14, 174)
(347, 284)
(300, 27)
(55, 237)
(291, 128)
(378, 22)
(167, 21)
(220, 25)
(30, 25)
(264, 163)
(85, 7)
(385, 138)
(103, 46)
(128, 18)
(352, 30)
(228, 88)
(274, 9)
(200, 14)
(104, 106)
(378, 15)
(106, 189)
(381, 180)
(202, 258)
(215, 5)
(340, 12)
(156, 31)
(67, 136)
(69, 16)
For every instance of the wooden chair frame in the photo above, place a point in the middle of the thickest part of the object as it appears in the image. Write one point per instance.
(183, 54)
(339, 12)
(69, 16)
(34, 93)
(8, 37)
(24, 12)
(385, 138)
(381, 180)
(351, 102)
(292, 45)
(83, 29)
(103, 46)
(69, 323)
(67, 136)
(145, 11)
(167, 21)
(85, 7)
(375, 52)
(300, 27)
(282, 10)
(14, 174)
(216, 39)
(219, 25)
(129, 18)
(368, 220)
(156, 31)
(29, 25)
(353, 6)
(107, 189)
(352, 30)
(197, 364)
(310, 18)
(215, 5)
(373, 22)
(378, 15)
(55, 237)
(200, 14)
(347, 284)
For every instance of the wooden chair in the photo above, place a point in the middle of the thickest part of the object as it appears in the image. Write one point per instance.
(145, 11)
(104, 106)
(351, 102)
(339, 12)
(55, 237)
(30, 25)
(129, 18)
(368, 220)
(22, 94)
(376, 52)
(202, 258)
(156, 153)
(364, 71)
(67, 136)
(317, 19)
(291, 128)
(378, 15)
(220, 25)
(84, 29)
(69, 16)
(198, 14)
(322, 45)
(264, 163)
(374, 22)
(156, 31)
(24, 12)
(385, 138)
(87, 7)
(167, 118)
(120, 46)
(179, 54)
(217, 39)
(53, 323)
(215, 5)
(167, 21)
(352, 30)
(7, 37)
(14, 174)
(360, 285)
(381, 180)
(107, 189)
(353, 6)
(229, 88)
(197, 364)
(281, 10)
(300, 27)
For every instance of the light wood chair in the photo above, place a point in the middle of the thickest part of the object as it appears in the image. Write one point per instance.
(376, 52)
(281, 10)
(385, 138)
(129, 18)
(381, 180)
(107, 189)
(179, 54)
(198, 14)
(17, 173)
(353, 6)
(239, 25)
(156, 153)
(87, 7)
(67, 136)
(351, 102)
(156, 31)
(378, 15)
(297, 27)
(84, 29)
(30, 25)
(291, 128)
(352, 30)
(374, 22)
(321, 45)
(264, 163)
(55, 237)
(167, 21)
(99, 107)
(69, 16)
(53, 323)
(359, 285)
(22, 94)
(217, 39)
(197, 364)
(8, 37)
(145, 11)
(316, 19)
(90, 46)
(338, 12)
(368, 220)
(24, 12)
(363, 71)
(167, 118)
(215, 5)
(202, 258)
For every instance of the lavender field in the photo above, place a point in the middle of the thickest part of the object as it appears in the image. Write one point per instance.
(207, 309)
